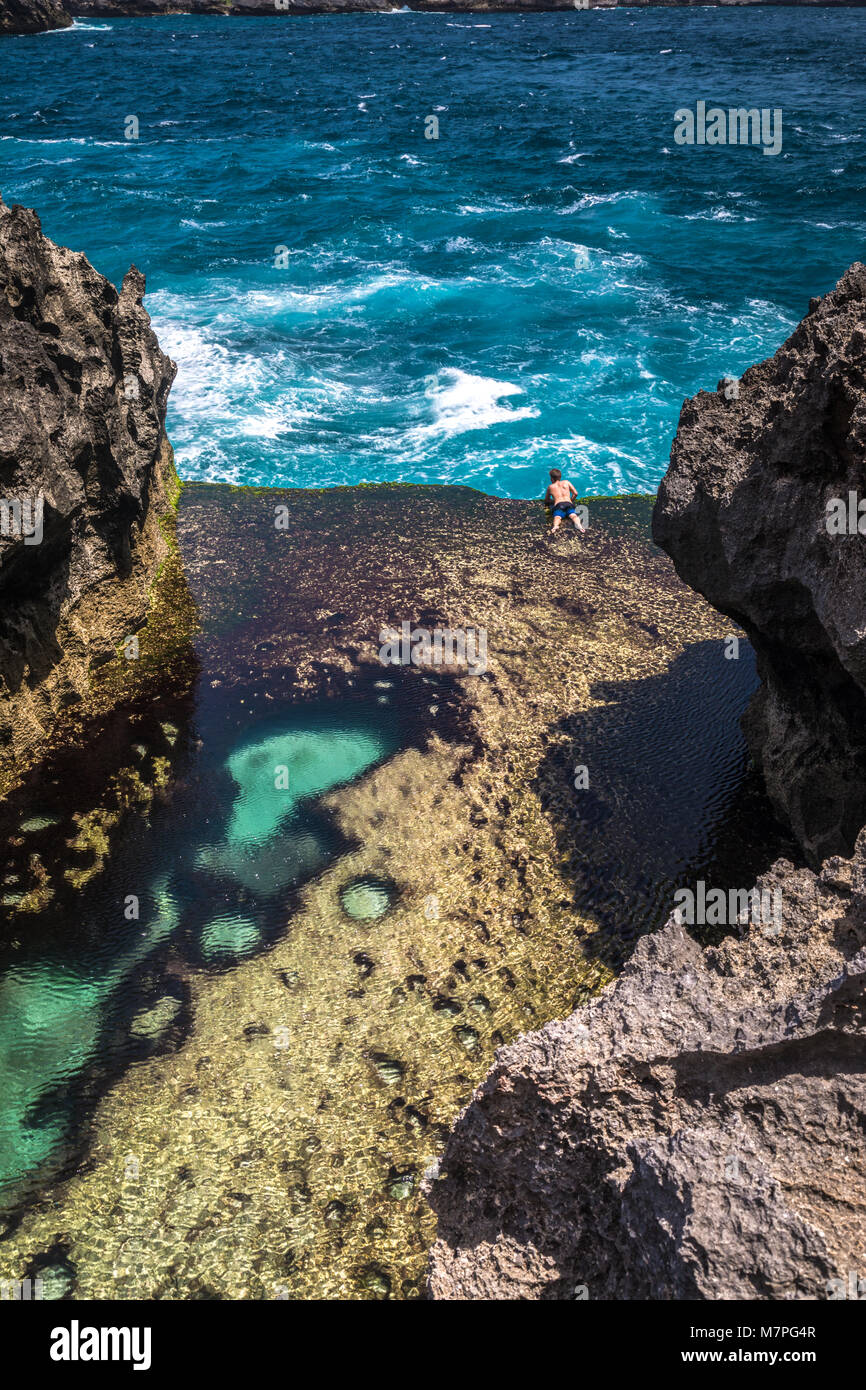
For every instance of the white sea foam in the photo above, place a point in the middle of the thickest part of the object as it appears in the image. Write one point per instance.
(460, 401)
(77, 26)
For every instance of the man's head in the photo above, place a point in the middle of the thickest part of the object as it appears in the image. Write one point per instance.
(555, 475)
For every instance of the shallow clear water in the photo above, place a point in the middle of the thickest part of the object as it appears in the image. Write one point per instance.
(541, 286)
(228, 1059)
(212, 884)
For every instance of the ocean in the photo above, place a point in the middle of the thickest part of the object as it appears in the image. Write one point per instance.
(352, 300)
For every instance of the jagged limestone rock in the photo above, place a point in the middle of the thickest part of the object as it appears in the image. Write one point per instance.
(743, 513)
(694, 1132)
(86, 475)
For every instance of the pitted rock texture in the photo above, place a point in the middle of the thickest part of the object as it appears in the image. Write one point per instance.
(695, 1132)
(83, 393)
(32, 16)
(743, 513)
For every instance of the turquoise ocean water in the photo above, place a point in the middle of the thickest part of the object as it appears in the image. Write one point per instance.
(349, 301)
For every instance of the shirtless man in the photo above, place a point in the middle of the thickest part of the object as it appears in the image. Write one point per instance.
(560, 496)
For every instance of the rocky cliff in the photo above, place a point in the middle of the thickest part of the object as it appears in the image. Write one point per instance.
(32, 16)
(86, 474)
(26, 16)
(695, 1132)
(758, 511)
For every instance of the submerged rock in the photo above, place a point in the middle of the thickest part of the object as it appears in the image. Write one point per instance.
(365, 899)
(746, 512)
(33, 824)
(152, 1023)
(692, 1133)
(229, 937)
(57, 1280)
(474, 820)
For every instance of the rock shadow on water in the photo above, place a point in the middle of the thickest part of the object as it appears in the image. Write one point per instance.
(670, 795)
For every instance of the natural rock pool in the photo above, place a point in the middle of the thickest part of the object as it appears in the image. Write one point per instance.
(237, 1019)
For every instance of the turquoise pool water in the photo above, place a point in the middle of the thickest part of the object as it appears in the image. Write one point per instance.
(213, 882)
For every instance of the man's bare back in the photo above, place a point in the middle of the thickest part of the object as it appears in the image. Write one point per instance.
(561, 495)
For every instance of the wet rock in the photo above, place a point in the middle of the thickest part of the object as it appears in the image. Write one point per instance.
(365, 899)
(155, 1022)
(388, 1069)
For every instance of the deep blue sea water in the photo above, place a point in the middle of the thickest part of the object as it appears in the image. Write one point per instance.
(540, 286)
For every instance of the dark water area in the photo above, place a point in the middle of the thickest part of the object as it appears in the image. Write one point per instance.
(674, 797)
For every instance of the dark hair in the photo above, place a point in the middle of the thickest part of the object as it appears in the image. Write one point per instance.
(555, 475)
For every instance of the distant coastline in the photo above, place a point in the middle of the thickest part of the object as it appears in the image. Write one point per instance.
(38, 16)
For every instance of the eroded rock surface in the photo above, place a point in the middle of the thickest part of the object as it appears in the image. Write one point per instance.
(85, 475)
(743, 512)
(695, 1132)
(32, 16)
